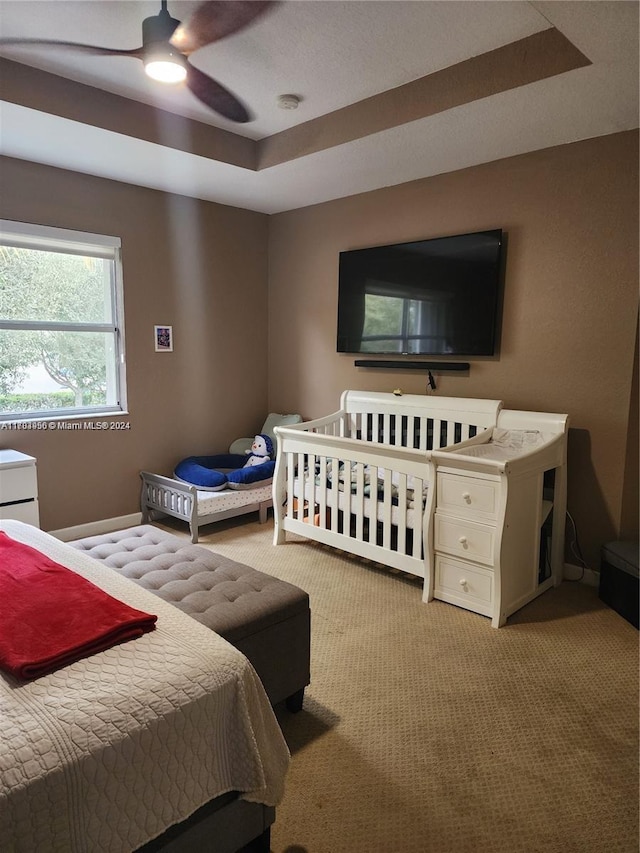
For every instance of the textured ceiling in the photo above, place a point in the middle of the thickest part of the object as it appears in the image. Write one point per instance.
(462, 95)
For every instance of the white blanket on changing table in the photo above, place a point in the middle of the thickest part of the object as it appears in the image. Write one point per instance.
(506, 444)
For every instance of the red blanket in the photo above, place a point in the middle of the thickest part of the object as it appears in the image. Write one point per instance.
(50, 616)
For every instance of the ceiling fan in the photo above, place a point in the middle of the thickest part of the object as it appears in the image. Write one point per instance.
(167, 45)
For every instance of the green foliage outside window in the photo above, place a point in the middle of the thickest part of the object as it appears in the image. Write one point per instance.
(53, 288)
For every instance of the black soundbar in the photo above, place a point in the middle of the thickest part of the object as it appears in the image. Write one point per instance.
(413, 365)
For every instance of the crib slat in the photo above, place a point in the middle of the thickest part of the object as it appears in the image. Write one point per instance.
(335, 493)
(351, 425)
(375, 425)
(358, 501)
(371, 505)
(301, 472)
(418, 487)
(402, 513)
(386, 509)
(346, 499)
(290, 483)
(386, 429)
(423, 441)
(402, 431)
(312, 488)
(437, 432)
(464, 435)
(451, 432)
(320, 496)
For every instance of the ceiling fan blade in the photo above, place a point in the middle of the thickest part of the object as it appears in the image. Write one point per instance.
(215, 19)
(85, 48)
(215, 96)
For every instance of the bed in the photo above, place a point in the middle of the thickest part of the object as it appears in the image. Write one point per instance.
(167, 496)
(374, 479)
(133, 743)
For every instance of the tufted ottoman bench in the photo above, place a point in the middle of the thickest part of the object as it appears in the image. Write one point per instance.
(267, 619)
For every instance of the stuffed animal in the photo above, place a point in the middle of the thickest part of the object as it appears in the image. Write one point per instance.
(260, 452)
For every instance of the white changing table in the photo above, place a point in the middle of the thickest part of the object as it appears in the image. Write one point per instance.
(497, 519)
(180, 500)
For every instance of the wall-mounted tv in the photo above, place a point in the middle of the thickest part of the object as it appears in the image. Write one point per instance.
(430, 297)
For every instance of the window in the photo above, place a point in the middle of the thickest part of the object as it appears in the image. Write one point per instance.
(61, 330)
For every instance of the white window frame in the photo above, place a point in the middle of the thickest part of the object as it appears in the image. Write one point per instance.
(47, 238)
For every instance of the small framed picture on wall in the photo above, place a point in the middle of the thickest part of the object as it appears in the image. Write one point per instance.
(164, 338)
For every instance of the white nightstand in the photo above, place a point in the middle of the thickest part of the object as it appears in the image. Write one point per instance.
(19, 487)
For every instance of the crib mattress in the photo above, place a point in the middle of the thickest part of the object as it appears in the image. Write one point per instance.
(372, 508)
(212, 502)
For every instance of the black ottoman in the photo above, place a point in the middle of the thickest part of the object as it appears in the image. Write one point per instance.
(619, 576)
(267, 619)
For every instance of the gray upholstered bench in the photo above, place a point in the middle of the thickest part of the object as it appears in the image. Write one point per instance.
(266, 618)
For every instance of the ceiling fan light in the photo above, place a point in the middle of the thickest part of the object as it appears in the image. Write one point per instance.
(165, 69)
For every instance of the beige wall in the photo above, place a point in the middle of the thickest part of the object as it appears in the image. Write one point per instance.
(570, 316)
(630, 498)
(570, 302)
(197, 266)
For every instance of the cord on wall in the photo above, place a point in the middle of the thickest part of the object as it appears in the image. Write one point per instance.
(574, 546)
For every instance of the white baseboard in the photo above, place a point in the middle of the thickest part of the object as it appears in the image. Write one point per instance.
(95, 528)
(577, 573)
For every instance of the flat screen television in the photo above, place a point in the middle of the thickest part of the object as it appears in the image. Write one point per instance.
(430, 297)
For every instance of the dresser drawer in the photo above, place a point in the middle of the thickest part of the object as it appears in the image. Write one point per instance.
(469, 495)
(28, 512)
(466, 539)
(470, 587)
(18, 484)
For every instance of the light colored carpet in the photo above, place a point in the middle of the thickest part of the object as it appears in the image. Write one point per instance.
(424, 730)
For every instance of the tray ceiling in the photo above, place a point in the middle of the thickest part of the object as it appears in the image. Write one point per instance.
(390, 91)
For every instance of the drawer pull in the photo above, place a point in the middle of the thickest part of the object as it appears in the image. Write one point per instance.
(463, 541)
(464, 584)
(466, 497)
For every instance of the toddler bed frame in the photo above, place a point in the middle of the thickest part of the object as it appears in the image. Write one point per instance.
(399, 480)
(167, 496)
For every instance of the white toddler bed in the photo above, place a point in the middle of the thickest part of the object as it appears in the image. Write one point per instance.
(365, 479)
(198, 507)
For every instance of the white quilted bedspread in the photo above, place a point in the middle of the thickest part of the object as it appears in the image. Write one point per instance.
(106, 753)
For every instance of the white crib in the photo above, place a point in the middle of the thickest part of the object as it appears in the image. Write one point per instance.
(371, 430)
(371, 480)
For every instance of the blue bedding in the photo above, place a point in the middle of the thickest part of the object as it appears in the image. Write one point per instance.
(222, 471)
